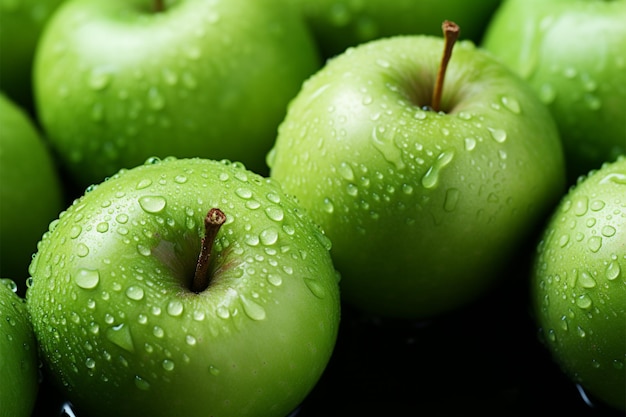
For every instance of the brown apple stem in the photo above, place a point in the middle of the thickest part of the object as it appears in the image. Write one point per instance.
(214, 219)
(159, 6)
(450, 35)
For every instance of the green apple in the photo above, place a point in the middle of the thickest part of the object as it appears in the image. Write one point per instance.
(31, 193)
(22, 23)
(19, 364)
(573, 54)
(339, 24)
(424, 208)
(118, 81)
(578, 284)
(127, 329)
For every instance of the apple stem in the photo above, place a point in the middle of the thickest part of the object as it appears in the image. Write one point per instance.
(159, 6)
(214, 219)
(450, 34)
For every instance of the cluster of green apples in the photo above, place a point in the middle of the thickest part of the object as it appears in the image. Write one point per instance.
(190, 190)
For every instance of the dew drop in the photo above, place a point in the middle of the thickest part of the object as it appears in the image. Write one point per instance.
(144, 183)
(387, 147)
(328, 205)
(135, 293)
(315, 287)
(511, 104)
(613, 270)
(275, 213)
(102, 227)
(214, 370)
(451, 199)
(275, 280)
(222, 312)
(252, 309)
(75, 231)
(175, 308)
(152, 204)
(141, 383)
(87, 278)
(470, 144)
(158, 332)
(168, 365)
(586, 280)
(608, 231)
(431, 178)
(346, 171)
(269, 236)
(90, 363)
(120, 336)
(583, 302)
(594, 243)
(498, 135)
(82, 250)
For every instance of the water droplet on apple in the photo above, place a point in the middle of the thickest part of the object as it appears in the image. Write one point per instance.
(9, 283)
(87, 278)
(613, 270)
(384, 142)
(168, 365)
(275, 280)
(158, 332)
(470, 144)
(252, 309)
(135, 293)
(269, 236)
(245, 193)
(275, 213)
(144, 250)
(431, 178)
(511, 104)
(451, 199)
(152, 204)
(222, 312)
(594, 243)
(90, 363)
(141, 383)
(75, 231)
(120, 336)
(585, 279)
(346, 171)
(175, 308)
(102, 227)
(213, 370)
(328, 206)
(498, 135)
(315, 287)
(584, 302)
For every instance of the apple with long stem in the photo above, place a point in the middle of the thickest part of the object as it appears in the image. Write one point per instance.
(425, 206)
(185, 287)
(118, 81)
(577, 287)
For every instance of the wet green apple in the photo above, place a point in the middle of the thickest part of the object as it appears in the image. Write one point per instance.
(573, 54)
(31, 193)
(19, 364)
(424, 208)
(339, 24)
(118, 81)
(184, 287)
(579, 284)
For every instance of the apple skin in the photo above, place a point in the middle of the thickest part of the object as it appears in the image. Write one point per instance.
(22, 23)
(19, 364)
(424, 209)
(573, 55)
(116, 83)
(120, 332)
(31, 193)
(339, 24)
(578, 284)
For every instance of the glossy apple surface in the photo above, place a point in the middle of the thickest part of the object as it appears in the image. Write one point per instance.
(573, 54)
(120, 331)
(338, 25)
(579, 284)
(31, 194)
(19, 371)
(117, 82)
(423, 208)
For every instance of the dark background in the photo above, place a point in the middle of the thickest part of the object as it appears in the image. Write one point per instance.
(484, 359)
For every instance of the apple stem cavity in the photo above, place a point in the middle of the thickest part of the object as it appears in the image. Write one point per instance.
(214, 219)
(450, 35)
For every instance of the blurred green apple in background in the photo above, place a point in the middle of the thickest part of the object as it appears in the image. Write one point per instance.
(22, 24)
(338, 24)
(144, 303)
(573, 54)
(31, 193)
(19, 363)
(579, 284)
(424, 208)
(118, 81)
